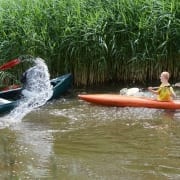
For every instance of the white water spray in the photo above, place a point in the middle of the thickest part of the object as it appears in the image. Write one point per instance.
(37, 92)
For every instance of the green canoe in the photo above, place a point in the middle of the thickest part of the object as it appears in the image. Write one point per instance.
(11, 97)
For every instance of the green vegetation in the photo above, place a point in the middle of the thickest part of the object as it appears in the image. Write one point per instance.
(97, 40)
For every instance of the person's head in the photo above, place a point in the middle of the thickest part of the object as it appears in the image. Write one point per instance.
(164, 76)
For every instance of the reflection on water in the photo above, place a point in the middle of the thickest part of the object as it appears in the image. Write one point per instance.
(72, 139)
(26, 150)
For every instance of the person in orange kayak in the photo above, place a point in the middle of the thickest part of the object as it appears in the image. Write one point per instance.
(165, 91)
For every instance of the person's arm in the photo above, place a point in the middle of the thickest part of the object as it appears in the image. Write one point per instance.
(23, 78)
(153, 91)
(172, 92)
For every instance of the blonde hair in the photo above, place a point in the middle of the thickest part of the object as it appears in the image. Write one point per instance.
(166, 75)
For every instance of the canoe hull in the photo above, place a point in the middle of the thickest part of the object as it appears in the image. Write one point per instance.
(60, 85)
(128, 101)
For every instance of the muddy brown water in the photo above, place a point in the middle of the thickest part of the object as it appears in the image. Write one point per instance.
(70, 139)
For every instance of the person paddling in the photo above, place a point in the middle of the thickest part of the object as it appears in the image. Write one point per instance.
(165, 91)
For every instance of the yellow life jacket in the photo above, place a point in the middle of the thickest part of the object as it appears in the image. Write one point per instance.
(164, 93)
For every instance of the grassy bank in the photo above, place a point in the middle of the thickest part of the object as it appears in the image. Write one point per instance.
(98, 41)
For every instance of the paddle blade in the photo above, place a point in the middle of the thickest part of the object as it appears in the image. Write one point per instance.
(177, 84)
(129, 92)
(10, 64)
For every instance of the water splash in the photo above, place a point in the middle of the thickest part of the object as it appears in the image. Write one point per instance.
(37, 91)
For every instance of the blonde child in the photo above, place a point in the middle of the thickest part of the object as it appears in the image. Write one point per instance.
(165, 92)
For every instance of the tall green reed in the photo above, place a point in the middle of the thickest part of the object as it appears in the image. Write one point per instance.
(98, 41)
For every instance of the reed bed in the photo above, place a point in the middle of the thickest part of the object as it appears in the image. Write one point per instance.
(98, 41)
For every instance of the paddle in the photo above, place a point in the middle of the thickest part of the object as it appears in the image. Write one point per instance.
(10, 64)
(134, 90)
(177, 84)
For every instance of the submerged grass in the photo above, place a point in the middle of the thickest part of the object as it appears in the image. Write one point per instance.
(98, 41)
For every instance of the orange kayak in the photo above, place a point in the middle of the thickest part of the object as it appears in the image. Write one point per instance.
(129, 101)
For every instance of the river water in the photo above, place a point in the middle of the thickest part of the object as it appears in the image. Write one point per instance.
(70, 139)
